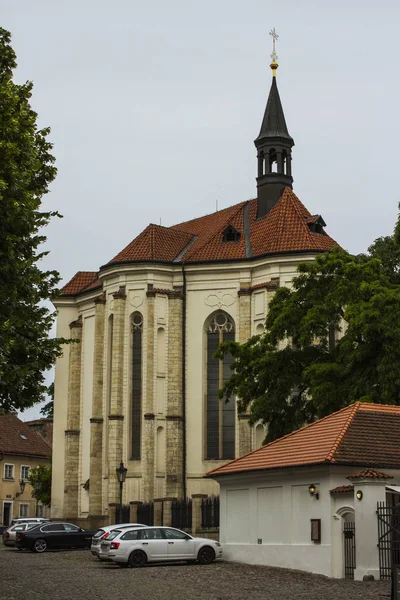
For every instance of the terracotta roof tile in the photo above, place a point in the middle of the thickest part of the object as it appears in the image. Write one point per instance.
(16, 437)
(155, 243)
(78, 283)
(360, 434)
(342, 489)
(370, 474)
(283, 230)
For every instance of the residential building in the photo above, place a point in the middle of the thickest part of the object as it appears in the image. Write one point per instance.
(140, 384)
(20, 450)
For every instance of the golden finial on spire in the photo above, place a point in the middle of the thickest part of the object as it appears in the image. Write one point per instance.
(274, 64)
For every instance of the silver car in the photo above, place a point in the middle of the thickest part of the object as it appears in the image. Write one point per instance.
(104, 532)
(10, 534)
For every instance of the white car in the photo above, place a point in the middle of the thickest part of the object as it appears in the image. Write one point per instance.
(136, 547)
(104, 532)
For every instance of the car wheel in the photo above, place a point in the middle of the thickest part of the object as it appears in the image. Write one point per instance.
(137, 559)
(206, 555)
(40, 545)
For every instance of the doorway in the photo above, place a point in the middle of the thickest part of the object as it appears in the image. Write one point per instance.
(7, 513)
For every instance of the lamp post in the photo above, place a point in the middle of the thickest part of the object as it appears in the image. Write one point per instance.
(121, 476)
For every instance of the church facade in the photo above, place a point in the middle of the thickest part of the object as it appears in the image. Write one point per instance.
(141, 385)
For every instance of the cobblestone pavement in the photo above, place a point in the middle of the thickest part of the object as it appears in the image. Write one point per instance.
(72, 575)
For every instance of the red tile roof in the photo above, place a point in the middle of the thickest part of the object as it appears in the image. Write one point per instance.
(342, 489)
(360, 434)
(16, 437)
(370, 474)
(283, 230)
(80, 281)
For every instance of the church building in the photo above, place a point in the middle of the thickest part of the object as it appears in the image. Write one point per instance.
(141, 386)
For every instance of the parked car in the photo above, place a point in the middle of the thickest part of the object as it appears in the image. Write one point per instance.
(54, 535)
(136, 547)
(36, 520)
(104, 532)
(10, 534)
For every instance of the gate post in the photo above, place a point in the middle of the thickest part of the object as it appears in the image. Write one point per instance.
(196, 512)
(112, 513)
(167, 511)
(372, 490)
(133, 509)
(158, 511)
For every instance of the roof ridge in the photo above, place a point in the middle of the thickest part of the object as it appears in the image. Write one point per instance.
(213, 213)
(339, 439)
(214, 233)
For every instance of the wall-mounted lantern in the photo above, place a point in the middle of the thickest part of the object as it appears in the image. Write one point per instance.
(21, 487)
(313, 491)
(359, 495)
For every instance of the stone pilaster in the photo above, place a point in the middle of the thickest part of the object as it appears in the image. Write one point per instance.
(116, 418)
(244, 431)
(148, 461)
(175, 412)
(72, 432)
(96, 422)
(112, 513)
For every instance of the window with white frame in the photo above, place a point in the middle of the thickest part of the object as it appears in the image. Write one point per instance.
(8, 471)
(23, 510)
(24, 472)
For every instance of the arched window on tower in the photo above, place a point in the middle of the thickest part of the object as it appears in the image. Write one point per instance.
(220, 415)
(273, 161)
(284, 162)
(136, 384)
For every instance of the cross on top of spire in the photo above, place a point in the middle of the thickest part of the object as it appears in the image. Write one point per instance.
(274, 36)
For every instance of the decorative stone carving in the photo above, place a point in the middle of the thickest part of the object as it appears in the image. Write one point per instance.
(219, 299)
(136, 301)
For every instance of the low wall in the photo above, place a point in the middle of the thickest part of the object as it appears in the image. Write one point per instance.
(89, 522)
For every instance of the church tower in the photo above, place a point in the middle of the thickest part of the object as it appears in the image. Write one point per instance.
(274, 148)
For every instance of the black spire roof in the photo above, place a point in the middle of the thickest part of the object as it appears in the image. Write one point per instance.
(274, 124)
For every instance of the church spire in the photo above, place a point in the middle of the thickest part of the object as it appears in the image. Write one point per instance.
(274, 147)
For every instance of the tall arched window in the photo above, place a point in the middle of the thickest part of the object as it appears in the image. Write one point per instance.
(220, 424)
(136, 386)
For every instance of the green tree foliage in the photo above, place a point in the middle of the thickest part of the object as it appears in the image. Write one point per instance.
(40, 480)
(26, 170)
(48, 409)
(333, 339)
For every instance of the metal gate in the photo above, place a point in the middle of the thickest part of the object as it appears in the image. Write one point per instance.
(145, 513)
(349, 534)
(388, 538)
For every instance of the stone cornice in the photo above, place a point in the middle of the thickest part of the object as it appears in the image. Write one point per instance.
(153, 292)
(72, 432)
(149, 416)
(115, 417)
(174, 418)
(120, 295)
(76, 324)
(270, 286)
(97, 420)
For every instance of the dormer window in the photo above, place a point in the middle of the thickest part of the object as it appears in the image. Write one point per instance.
(316, 224)
(231, 234)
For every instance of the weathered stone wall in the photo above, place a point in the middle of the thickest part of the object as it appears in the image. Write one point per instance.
(116, 417)
(148, 442)
(244, 431)
(73, 419)
(96, 422)
(175, 425)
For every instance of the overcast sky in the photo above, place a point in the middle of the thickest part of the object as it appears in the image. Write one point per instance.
(154, 106)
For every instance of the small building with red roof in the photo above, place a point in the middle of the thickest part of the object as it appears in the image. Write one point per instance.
(141, 386)
(309, 500)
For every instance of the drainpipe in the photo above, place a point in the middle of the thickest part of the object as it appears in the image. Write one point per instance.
(184, 378)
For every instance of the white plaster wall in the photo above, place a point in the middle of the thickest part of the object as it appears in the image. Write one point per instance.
(67, 312)
(278, 510)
